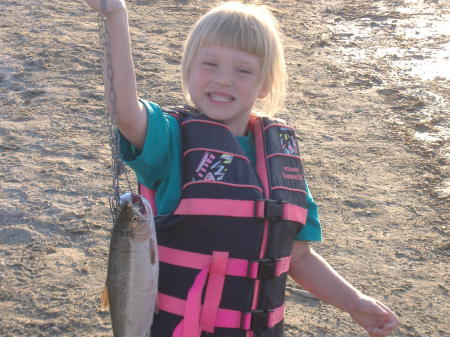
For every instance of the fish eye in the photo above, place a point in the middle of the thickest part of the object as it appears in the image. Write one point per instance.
(134, 218)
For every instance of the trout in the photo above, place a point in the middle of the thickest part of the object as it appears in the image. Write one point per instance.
(131, 287)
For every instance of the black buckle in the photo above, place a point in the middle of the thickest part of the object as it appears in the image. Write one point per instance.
(273, 209)
(266, 269)
(259, 319)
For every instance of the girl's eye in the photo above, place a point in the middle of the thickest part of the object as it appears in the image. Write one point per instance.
(209, 64)
(244, 71)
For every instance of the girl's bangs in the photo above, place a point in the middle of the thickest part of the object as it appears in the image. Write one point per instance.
(235, 34)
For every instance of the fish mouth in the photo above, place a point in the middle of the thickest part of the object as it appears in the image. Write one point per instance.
(137, 201)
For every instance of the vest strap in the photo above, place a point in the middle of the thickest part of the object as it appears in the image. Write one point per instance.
(258, 320)
(192, 308)
(226, 318)
(263, 209)
(254, 269)
(214, 290)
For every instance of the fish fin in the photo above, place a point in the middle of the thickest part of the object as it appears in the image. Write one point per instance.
(152, 251)
(104, 299)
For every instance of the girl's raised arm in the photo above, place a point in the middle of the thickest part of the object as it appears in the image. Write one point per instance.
(130, 113)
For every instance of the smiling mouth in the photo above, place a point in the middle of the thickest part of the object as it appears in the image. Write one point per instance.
(220, 98)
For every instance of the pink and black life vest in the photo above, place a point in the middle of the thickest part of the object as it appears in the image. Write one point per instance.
(225, 251)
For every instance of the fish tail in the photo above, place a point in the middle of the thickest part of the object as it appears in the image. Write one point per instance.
(104, 300)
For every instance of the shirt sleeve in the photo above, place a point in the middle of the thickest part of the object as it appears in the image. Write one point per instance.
(152, 164)
(312, 230)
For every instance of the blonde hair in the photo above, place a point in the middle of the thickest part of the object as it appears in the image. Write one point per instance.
(248, 28)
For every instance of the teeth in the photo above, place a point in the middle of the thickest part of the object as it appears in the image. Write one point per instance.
(220, 98)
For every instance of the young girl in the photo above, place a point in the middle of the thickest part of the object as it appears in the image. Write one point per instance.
(236, 214)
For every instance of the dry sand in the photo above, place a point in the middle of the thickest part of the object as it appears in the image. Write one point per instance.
(383, 193)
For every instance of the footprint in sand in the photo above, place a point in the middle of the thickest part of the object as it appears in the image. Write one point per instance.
(13, 80)
(33, 93)
(15, 236)
(65, 261)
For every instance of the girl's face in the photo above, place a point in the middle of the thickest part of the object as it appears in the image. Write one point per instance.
(224, 84)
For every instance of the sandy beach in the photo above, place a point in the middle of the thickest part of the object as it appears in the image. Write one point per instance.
(368, 95)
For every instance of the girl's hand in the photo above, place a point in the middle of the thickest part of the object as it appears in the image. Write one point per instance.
(112, 6)
(375, 317)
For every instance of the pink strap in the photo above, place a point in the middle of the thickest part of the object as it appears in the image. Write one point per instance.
(193, 306)
(237, 208)
(273, 318)
(226, 318)
(261, 169)
(189, 327)
(295, 213)
(224, 207)
(234, 267)
(214, 290)
(178, 331)
(276, 316)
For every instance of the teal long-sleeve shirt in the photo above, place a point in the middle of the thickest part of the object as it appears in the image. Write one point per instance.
(158, 166)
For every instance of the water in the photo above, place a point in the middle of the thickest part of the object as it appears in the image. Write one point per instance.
(414, 39)
(417, 40)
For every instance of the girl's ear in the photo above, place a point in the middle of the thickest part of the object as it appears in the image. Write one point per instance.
(264, 91)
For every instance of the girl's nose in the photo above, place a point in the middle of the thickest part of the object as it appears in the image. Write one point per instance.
(223, 77)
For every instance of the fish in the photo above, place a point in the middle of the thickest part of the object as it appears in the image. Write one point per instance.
(131, 286)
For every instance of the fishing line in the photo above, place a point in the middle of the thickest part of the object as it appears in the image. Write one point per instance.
(110, 100)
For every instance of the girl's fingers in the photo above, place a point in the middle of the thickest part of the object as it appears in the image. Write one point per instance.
(391, 323)
(110, 5)
(392, 319)
(376, 332)
(380, 332)
(94, 4)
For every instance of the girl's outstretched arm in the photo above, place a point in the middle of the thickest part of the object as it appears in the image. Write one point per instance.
(130, 113)
(315, 275)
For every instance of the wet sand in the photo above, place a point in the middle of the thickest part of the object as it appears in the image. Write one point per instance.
(373, 135)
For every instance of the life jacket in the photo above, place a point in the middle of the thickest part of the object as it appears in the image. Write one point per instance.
(225, 250)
